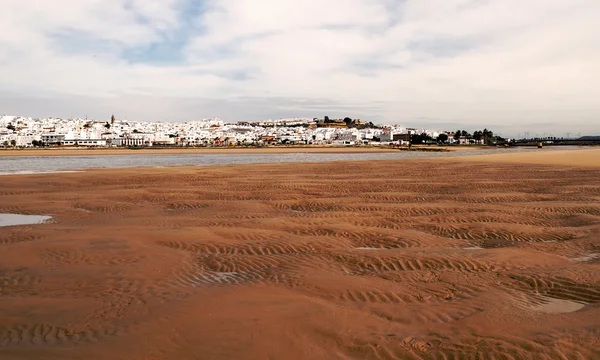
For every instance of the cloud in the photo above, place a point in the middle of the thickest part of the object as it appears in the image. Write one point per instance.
(458, 62)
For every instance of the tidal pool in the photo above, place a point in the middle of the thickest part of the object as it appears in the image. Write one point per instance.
(18, 219)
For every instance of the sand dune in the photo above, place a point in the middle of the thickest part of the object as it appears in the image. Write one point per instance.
(435, 259)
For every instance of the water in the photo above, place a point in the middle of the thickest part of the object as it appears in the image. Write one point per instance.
(18, 219)
(557, 306)
(43, 164)
(30, 172)
(587, 257)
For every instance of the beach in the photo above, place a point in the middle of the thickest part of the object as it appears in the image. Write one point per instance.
(481, 257)
(584, 157)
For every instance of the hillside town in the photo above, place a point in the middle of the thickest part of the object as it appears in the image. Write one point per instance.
(23, 132)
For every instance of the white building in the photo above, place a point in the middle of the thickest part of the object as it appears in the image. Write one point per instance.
(85, 142)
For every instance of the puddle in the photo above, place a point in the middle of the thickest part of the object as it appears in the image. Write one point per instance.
(18, 219)
(221, 276)
(557, 306)
(34, 172)
(586, 258)
(201, 278)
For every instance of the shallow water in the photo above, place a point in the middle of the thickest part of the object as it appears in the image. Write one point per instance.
(30, 172)
(34, 164)
(557, 306)
(18, 219)
(586, 257)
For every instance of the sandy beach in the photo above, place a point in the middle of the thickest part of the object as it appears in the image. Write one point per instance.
(586, 157)
(487, 257)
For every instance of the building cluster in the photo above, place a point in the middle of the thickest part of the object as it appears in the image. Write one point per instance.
(18, 131)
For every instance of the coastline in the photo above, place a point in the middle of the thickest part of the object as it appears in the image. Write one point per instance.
(69, 151)
(580, 158)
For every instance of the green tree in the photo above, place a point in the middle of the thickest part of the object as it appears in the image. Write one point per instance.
(10, 126)
(348, 121)
(420, 138)
(457, 134)
(442, 138)
(13, 143)
(5, 144)
(488, 136)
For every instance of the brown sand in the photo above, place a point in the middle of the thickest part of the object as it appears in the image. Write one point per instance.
(436, 259)
(581, 157)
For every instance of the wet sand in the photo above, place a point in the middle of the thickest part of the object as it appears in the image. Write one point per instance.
(411, 259)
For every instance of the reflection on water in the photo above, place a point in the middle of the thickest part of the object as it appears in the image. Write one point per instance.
(18, 219)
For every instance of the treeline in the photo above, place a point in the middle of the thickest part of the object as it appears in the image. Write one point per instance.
(486, 135)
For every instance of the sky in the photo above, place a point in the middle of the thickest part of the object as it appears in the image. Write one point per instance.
(513, 66)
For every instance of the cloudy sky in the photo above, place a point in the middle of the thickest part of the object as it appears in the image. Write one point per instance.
(511, 65)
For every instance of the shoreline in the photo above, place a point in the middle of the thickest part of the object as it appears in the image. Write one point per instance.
(581, 158)
(64, 151)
